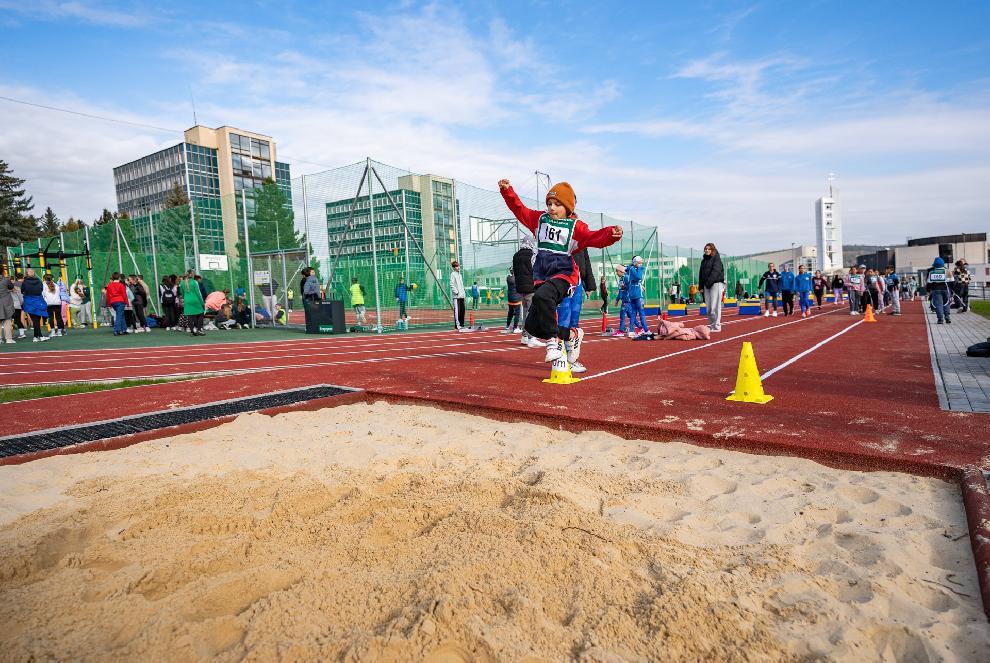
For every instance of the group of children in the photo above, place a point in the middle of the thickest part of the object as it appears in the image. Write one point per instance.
(629, 299)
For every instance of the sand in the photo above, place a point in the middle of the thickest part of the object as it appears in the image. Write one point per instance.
(396, 533)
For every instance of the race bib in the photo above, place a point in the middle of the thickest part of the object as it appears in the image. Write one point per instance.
(855, 280)
(554, 234)
(936, 277)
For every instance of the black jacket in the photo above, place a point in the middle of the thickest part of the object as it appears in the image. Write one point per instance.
(711, 271)
(522, 269)
(583, 261)
(31, 286)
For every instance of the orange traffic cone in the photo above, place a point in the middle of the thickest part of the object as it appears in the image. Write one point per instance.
(663, 315)
(869, 314)
(471, 320)
(604, 321)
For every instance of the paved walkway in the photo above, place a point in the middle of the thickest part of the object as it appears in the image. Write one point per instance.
(963, 382)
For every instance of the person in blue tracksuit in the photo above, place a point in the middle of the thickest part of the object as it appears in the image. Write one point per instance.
(622, 299)
(402, 296)
(803, 283)
(787, 288)
(634, 276)
(770, 285)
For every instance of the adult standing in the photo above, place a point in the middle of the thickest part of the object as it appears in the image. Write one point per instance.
(34, 303)
(787, 287)
(522, 270)
(53, 300)
(357, 301)
(711, 278)
(818, 285)
(117, 300)
(939, 281)
(193, 305)
(961, 279)
(770, 285)
(18, 300)
(457, 294)
(634, 279)
(140, 303)
(6, 310)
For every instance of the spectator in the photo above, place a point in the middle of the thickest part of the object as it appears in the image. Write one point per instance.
(34, 303)
(268, 292)
(402, 296)
(54, 303)
(79, 303)
(216, 300)
(18, 301)
(242, 315)
(129, 319)
(475, 296)
(675, 292)
(711, 277)
(692, 293)
(140, 303)
(961, 279)
(853, 285)
(289, 296)
(262, 316)
(168, 297)
(193, 305)
(739, 290)
(357, 301)
(457, 295)
(280, 316)
(522, 270)
(6, 310)
(224, 318)
(893, 284)
(202, 286)
(117, 299)
(310, 286)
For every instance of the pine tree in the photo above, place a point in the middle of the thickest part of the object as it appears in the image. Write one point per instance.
(105, 217)
(49, 223)
(176, 197)
(16, 225)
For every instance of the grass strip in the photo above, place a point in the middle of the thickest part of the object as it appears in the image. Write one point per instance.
(980, 306)
(9, 394)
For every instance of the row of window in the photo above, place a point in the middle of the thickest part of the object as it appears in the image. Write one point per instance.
(251, 147)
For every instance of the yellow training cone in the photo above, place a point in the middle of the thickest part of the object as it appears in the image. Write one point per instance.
(749, 389)
(560, 372)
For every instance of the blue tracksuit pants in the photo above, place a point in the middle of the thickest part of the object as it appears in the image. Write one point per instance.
(638, 314)
(569, 310)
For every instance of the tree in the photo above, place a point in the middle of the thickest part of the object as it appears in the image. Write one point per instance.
(274, 224)
(49, 223)
(176, 197)
(71, 226)
(16, 225)
(105, 217)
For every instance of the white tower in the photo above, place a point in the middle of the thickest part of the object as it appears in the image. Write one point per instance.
(828, 226)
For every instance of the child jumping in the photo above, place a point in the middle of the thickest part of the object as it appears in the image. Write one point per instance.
(559, 233)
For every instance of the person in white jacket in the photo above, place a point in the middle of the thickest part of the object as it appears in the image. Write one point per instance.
(457, 295)
(53, 299)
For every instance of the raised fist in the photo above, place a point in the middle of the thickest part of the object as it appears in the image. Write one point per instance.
(503, 184)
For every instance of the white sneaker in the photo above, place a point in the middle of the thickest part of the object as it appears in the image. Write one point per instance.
(40, 339)
(10, 340)
(575, 350)
(505, 331)
(147, 329)
(775, 314)
(631, 334)
(766, 314)
(20, 333)
(517, 330)
(577, 367)
(534, 342)
(555, 350)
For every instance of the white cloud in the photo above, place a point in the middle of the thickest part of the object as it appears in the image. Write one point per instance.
(76, 10)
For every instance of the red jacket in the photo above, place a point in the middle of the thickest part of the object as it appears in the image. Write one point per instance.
(116, 293)
(583, 237)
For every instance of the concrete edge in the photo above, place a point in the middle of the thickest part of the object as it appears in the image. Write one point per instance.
(976, 500)
(943, 395)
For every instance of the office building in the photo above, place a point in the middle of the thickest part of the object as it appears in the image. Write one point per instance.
(211, 166)
(828, 229)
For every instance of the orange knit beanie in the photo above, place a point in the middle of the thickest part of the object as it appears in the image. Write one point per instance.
(564, 194)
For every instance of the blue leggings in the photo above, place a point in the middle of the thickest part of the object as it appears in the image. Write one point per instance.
(805, 301)
(638, 314)
(624, 313)
(569, 310)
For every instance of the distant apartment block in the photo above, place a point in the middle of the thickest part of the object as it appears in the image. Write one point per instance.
(210, 166)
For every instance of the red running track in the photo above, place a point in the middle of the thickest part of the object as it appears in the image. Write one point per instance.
(863, 396)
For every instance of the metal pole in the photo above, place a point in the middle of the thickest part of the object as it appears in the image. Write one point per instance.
(285, 291)
(192, 210)
(93, 297)
(309, 258)
(247, 251)
(374, 252)
(154, 259)
(116, 235)
(405, 235)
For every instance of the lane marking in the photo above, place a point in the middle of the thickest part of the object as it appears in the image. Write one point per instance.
(810, 350)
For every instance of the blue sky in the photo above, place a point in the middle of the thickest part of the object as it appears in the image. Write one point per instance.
(716, 121)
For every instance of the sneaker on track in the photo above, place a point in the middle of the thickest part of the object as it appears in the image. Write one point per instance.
(578, 367)
(534, 342)
(766, 314)
(555, 350)
(575, 350)
(775, 314)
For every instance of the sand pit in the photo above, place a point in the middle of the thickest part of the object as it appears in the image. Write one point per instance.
(383, 532)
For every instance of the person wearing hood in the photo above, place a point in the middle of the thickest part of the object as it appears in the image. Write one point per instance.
(711, 278)
(34, 303)
(634, 283)
(522, 269)
(939, 280)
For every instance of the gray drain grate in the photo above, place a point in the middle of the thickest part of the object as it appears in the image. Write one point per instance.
(56, 438)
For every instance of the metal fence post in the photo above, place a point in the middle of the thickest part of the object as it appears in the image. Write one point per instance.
(247, 251)
(374, 252)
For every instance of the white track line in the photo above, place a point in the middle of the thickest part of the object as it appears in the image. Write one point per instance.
(810, 350)
(702, 347)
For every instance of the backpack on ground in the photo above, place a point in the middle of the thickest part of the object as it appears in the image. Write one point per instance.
(979, 349)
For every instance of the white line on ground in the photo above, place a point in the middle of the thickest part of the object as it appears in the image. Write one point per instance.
(810, 350)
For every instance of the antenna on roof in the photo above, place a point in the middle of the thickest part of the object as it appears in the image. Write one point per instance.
(193, 99)
(828, 184)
